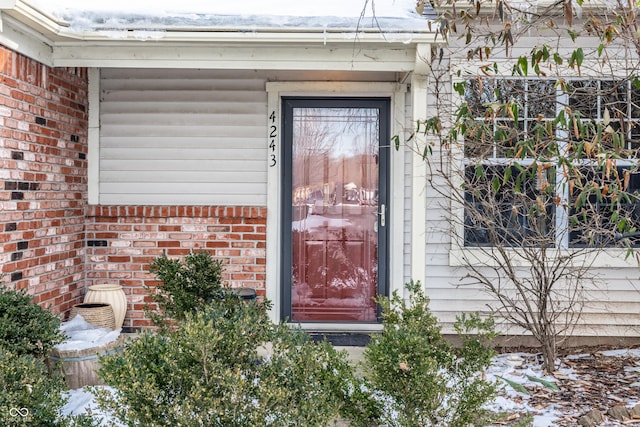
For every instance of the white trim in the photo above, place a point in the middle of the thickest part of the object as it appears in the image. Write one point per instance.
(275, 91)
(61, 31)
(93, 137)
(419, 95)
(244, 56)
(339, 327)
(22, 39)
(273, 279)
(278, 36)
(39, 35)
(605, 258)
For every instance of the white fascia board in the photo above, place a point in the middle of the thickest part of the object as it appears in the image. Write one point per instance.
(21, 39)
(237, 57)
(40, 21)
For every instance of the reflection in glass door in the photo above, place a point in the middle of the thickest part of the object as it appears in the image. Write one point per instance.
(335, 208)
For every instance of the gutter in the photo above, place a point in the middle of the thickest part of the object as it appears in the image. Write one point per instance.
(56, 32)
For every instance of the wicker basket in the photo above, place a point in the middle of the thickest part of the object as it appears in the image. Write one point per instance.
(98, 314)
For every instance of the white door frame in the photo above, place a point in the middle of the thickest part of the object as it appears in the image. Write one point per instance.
(275, 91)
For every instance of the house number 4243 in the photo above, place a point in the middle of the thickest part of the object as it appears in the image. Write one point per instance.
(273, 133)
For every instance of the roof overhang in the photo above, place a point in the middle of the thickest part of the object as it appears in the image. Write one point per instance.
(37, 34)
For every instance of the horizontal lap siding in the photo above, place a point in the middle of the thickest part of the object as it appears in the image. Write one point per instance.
(612, 306)
(182, 137)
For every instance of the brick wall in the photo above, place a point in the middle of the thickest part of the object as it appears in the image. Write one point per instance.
(53, 244)
(43, 185)
(122, 241)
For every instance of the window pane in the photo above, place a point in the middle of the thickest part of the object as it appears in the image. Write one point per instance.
(613, 98)
(478, 94)
(335, 180)
(507, 135)
(479, 141)
(583, 98)
(610, 143)
(511, 91)
(541, 97)
(634, 141)
(519, 212)
(597, 220)
(635, 102)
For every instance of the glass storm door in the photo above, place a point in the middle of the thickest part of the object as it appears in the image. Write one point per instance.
(335, 208)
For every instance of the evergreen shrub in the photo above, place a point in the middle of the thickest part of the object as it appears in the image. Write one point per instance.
(25, 327)
(208, 370)
(186, 285)
(31, 395)
(414, 377)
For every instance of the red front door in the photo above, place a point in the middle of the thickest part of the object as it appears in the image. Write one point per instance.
(338, 209)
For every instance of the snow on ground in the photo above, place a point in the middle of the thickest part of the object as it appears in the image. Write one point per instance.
(579, 390)
(81, 401)
(517, 368)
(511, 367)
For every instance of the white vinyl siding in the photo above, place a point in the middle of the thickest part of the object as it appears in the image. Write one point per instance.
(188, 136)
(612, 303)
(182, 137)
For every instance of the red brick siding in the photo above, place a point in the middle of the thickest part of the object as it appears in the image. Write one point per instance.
(122, 241)
(43, 181)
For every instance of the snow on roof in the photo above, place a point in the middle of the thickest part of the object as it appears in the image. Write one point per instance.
(239, 15)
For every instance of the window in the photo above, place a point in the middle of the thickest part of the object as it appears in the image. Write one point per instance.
(516, 193)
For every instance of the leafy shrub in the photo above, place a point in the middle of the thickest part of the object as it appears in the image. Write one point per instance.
(208, 371)
(414, 377)
(30, 397)
(308, 379)
(27, 387)
(186, 285)
(26, 328)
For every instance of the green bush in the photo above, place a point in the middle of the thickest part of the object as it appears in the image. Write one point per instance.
(208, 372)
(30, 397)
(27, 387)
(303, 382)
(414, 377)
(186, 285)
(26, 328)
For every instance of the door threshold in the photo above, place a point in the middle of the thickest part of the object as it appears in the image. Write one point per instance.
(345, 339)
(339, 328)
(341, 334)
